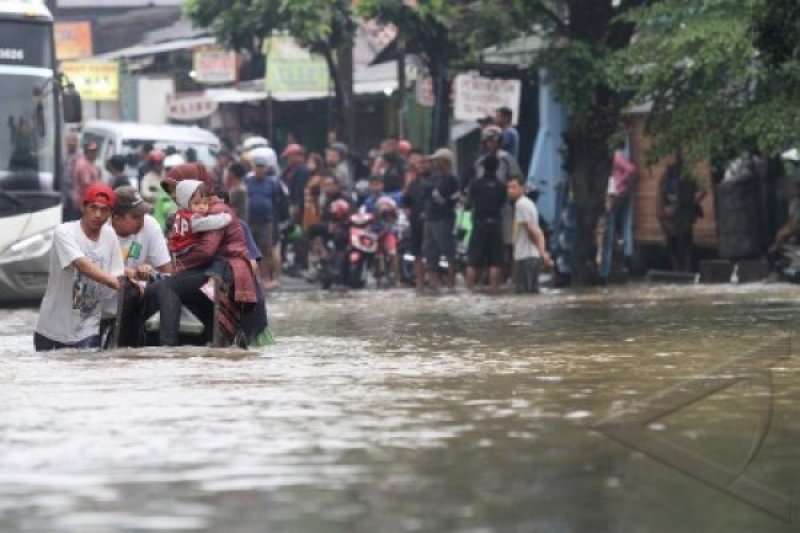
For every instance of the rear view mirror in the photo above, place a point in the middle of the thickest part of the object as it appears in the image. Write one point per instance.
(73, 107)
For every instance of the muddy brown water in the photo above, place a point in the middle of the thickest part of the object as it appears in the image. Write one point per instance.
(389, 412)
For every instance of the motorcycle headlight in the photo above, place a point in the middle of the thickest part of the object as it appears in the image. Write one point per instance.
(28, 248)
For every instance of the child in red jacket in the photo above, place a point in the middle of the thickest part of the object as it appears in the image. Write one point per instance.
(194, 200)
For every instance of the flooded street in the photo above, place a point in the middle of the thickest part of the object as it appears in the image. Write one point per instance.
(385, 411)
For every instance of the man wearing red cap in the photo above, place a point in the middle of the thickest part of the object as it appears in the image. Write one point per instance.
(85, 261)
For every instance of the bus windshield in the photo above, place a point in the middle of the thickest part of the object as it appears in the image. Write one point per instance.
(27, 108)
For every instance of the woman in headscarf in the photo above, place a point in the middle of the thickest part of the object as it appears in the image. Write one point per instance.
(168, 294)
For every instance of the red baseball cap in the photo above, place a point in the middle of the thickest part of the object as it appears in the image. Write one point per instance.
(100, 193)
(292, 149)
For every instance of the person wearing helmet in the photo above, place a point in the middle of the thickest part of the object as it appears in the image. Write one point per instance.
(506, 168)
(487, 199)
(264, 198)
(385, 220)
(333, 219)
(151, 181)
(256, 141)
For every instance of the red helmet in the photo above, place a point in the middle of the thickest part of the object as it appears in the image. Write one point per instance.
(155, 156)
(340, 208)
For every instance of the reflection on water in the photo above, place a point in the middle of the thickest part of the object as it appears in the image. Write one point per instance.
(390, 412)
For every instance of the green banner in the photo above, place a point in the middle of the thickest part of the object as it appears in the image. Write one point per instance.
(291, 68)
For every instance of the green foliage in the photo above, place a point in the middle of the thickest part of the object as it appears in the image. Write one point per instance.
(321, 25)
(721, 75)
(454, 31)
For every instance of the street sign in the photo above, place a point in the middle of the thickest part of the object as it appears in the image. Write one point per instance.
(73, 39)
(190, 106)
(215, 65)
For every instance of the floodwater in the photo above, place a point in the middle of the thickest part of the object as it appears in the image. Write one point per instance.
(389, 412)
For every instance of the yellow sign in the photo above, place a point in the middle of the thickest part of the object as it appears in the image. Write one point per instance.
(94, 80)
(73, 39)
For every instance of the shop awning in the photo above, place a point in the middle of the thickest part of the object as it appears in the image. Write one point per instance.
(159, 48)
(234, 96)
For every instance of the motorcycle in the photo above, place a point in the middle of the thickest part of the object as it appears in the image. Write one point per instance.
(362, 249)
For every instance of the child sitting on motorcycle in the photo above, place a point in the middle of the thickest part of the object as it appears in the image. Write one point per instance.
(384, 226)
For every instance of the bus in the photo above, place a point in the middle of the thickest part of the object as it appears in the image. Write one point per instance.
(32, 110)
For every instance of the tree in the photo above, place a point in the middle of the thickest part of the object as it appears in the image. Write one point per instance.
(445, 33)
(325, 27)
(583, 35)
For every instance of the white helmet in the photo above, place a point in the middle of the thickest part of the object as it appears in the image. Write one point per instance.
(266, 156)
(255, 142)
(791, 155)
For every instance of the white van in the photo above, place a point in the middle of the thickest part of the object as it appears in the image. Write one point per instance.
(125, 138)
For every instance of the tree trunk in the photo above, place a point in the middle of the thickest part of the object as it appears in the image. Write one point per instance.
(345, 125)
(340, 69)
(588, 165)
(441, 106)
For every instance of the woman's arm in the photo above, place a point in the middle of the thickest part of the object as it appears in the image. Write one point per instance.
(203, 252)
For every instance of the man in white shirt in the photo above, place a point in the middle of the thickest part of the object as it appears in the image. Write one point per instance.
(142, 245)
(84, 264)
(530, 249)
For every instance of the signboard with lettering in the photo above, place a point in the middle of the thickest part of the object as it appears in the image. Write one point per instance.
(215, 64)
(96, 81)
(292, 68)
(73, 39)
(190, 106)
(477, 97)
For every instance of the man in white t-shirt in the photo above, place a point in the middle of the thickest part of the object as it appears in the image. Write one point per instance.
(84, 264)
(530, 249)
(144, 248)
(142, 244)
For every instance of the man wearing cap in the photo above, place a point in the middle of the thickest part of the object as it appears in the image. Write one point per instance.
(85, 173)
(440, 217)
(505, 168)
(141, 240)
(142, 244)
(85, 261)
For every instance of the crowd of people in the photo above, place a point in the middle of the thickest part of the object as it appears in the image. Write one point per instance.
(297, 205)
(185, 225)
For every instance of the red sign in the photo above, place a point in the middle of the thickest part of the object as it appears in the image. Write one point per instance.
(190, 106)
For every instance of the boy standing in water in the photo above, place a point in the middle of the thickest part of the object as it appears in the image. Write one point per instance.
(530, 249)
